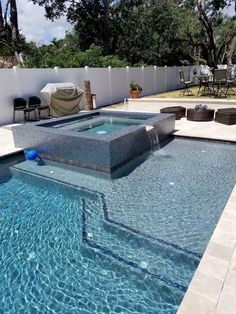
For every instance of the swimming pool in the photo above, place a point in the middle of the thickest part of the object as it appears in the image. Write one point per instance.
(78, 243)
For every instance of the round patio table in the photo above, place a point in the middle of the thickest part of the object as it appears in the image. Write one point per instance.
(205, 115)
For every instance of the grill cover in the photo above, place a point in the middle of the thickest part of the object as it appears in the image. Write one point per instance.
(62, 98)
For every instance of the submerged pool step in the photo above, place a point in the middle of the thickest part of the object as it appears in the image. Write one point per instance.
(159, 262)
(163, 263)
(195, 255)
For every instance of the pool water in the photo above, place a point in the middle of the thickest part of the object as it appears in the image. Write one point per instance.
(46, 267)
(74, 243)
(97, 125)
(104, 128)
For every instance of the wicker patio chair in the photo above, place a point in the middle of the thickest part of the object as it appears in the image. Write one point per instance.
(186, 91)
(222, 82)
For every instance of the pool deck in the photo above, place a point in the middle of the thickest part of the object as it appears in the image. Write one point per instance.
(212, 289)
(7, 146)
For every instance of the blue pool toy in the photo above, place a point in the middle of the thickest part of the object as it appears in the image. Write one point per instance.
(31, 154)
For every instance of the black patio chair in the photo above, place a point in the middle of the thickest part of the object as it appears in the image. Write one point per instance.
(186, 91)
(35, 102)
(20, 104)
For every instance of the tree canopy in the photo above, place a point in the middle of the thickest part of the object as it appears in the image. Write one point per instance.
(151, 32)
(130, 32)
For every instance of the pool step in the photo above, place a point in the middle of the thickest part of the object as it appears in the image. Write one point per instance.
(160, 260)
(162, 263)
(195, 255)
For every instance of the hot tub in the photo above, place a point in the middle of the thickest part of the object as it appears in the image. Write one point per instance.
(101, 140)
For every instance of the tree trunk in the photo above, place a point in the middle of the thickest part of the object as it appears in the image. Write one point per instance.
(209, 33)
(14, 20)
(88, 97)
(1, 19)
(230, 51)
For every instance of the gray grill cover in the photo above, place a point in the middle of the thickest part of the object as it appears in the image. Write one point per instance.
(62, 98)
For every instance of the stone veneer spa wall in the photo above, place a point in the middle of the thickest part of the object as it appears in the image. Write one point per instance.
(104, 152)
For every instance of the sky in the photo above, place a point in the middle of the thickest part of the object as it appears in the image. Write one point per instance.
(35, 27)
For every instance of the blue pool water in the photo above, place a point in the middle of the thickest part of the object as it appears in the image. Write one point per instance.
(105, 128)
(92, 245)
(99, 125)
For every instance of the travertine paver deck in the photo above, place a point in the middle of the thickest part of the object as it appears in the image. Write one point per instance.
(212, 130)
(6, 141)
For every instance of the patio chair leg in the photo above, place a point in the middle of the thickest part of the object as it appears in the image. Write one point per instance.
(188, 91)
(199, 89)
(14, 113)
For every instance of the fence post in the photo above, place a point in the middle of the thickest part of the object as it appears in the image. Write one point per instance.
(175, 77)
(56, 71)
(154, 79)
(86, 70)
(127, 77)
(110, 84)
(165, 78)
(142, 77)
(18, 83)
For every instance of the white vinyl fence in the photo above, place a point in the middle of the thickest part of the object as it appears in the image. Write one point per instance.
(110, 85)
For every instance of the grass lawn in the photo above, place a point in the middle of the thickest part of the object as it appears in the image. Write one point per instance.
(178, 94)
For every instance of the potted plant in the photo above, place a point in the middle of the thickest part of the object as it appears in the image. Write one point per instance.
(135, 89)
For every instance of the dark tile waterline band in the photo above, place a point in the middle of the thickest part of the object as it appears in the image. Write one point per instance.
(109, 253)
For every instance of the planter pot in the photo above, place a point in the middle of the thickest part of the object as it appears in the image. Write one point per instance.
(135, 94)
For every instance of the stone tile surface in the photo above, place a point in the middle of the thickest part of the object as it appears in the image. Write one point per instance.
(6, 141)
(213, 267)
(196, 303)
(224, 238)
(206, 285)
(220, 251)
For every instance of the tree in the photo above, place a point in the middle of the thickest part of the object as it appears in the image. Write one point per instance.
(219, 31)
(152, 31)
(9, 31)
(93, 18)
(59, 53)
(210, 32)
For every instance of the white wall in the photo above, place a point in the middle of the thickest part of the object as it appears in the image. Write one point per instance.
(109, 84)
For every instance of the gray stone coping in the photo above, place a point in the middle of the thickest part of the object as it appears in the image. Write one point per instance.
(213, 287)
